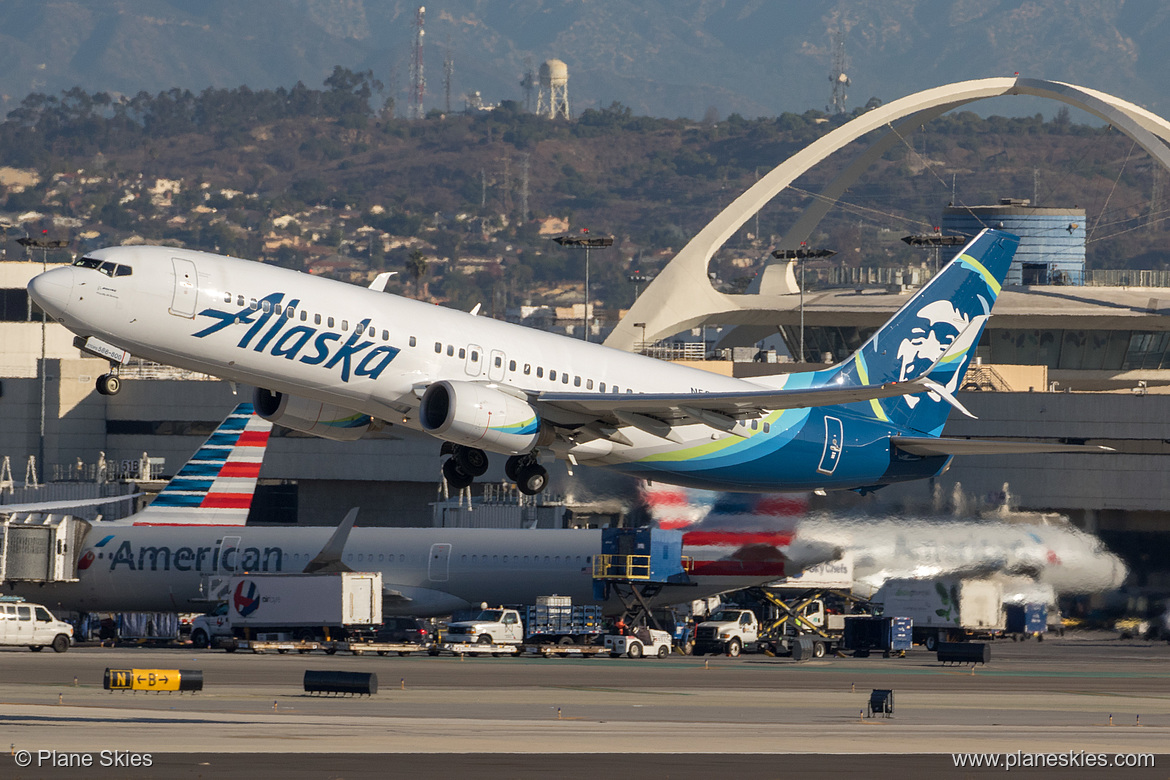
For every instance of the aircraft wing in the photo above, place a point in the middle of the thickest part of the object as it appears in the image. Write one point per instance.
(927, 446)
(609, 407)
(73, 503)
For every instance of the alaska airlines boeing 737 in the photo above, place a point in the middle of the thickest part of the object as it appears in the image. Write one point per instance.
(334, 360)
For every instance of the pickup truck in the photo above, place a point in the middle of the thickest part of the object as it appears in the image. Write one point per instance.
(490, 627)
(728, 631)
(563, 624)
(644, 641)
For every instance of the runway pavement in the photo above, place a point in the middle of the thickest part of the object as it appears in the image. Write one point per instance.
(1050, 697)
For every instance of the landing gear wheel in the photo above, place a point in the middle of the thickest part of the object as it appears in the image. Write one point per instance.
(532, 479)
(512, 466)
(471, 461)
(109, 384)
(456, 478)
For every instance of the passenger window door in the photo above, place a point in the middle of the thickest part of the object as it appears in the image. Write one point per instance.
(497, 362)
(473, 365)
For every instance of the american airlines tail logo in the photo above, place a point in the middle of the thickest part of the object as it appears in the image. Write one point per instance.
(282, 336)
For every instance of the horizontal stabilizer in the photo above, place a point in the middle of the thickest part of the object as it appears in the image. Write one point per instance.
(928, 446)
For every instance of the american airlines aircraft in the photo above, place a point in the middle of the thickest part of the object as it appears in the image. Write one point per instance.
(178, 553)
(335, 360)
(1035, 553)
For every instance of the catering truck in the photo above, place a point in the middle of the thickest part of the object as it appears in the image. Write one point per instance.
(946, 609)
(286, 607)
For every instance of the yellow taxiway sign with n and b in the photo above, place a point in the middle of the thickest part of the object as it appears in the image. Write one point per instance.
(153, 680)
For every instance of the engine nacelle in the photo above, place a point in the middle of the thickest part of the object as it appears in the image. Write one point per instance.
(300, 414)
(474, 415)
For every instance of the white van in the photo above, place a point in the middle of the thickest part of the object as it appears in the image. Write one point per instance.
(31, 625)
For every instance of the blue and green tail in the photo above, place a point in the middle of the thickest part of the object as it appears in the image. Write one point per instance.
(935, 332)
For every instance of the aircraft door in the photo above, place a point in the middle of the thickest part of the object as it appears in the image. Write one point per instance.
(496, 362)
(439, 567)
(229, 555)
(474, 364)
(834, 443)
(184, 302)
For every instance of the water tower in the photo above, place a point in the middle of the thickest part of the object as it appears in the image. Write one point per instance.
(553, 98)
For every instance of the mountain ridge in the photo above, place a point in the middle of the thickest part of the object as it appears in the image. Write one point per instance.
(678, 59)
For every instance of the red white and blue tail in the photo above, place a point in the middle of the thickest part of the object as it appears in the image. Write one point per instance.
(216, 485)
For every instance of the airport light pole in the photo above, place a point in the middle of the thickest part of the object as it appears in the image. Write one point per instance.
(800, 255)
(935, 240)
(638, 280)
(588, 241)
(44, 245)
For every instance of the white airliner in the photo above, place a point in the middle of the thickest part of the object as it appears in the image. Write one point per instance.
(177, 554)
(334, 360)
(1034, 553)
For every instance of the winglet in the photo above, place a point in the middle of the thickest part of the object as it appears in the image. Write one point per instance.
(329, 559)
(380, 281)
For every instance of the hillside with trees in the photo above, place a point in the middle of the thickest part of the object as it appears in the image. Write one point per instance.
(463, 205)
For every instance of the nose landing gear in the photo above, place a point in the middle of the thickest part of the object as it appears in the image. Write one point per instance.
(109, 384)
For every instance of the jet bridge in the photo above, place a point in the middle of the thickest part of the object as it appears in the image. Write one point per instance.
(634, 566)
(41, 547)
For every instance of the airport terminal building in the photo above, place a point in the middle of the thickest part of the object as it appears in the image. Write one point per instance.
(1059, 363)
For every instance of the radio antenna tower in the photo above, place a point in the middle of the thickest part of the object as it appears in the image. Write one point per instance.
(418, 82)
(448, 71)
(528, 84)
(838, 77)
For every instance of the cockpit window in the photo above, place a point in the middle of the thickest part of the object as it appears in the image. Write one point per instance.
(106, 267)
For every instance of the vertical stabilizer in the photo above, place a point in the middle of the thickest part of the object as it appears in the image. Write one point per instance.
(216, 485)
(935, 332)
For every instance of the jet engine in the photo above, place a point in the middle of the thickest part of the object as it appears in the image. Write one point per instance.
(300, 414)
(475, 415)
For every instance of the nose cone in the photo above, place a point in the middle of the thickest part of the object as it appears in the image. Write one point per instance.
(53, 290)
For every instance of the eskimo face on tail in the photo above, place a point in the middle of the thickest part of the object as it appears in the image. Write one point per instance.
(944, 329)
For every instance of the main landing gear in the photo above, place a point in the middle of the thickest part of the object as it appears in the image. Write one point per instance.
(109, 384)
(467, 463)
(464, 465)
(530, 477)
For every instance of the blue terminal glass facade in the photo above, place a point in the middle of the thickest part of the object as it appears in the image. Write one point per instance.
(1052, 241)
